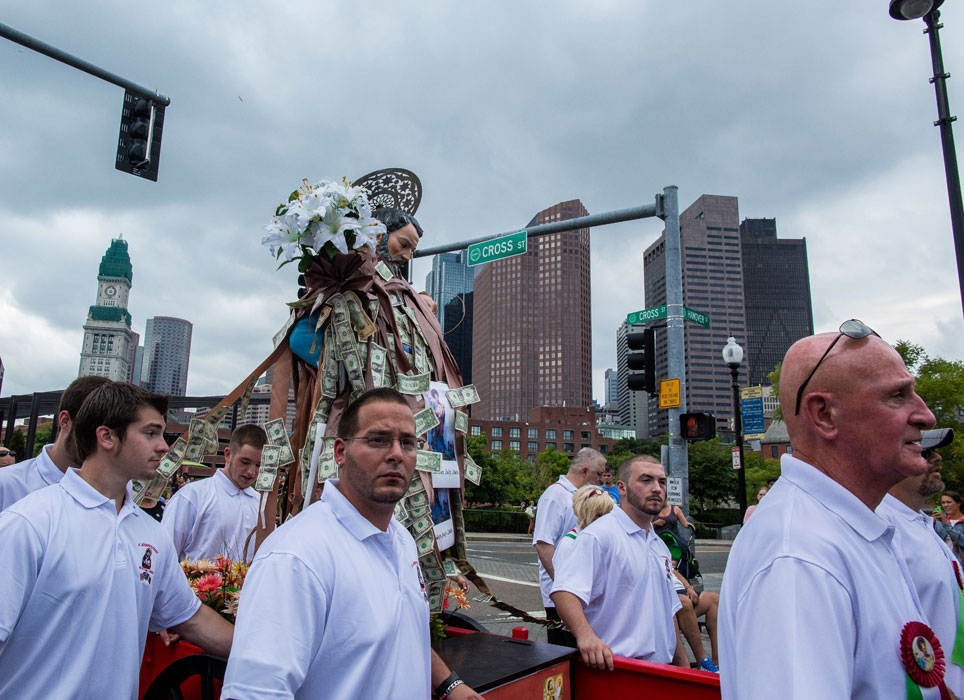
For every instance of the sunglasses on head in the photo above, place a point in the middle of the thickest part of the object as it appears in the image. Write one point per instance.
(4, 453)
(852, 329)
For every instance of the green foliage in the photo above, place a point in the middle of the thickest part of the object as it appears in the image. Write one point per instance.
(18, 443)
(624, 448)
(40, 439)
(774, 377)
(550, 465)
(712, 477)
(756, 472)
(505, 477)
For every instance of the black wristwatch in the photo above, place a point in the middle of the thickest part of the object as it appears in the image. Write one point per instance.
(447, 686)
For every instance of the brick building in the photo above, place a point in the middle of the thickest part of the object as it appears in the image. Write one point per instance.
(565, 429)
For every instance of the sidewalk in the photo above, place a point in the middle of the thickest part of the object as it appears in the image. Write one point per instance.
(513, 537)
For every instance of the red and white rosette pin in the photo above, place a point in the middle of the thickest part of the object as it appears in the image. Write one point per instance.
(923, 658)
(957, 575)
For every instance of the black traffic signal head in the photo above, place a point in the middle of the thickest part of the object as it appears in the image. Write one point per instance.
(139, 143)
(697, 426)
(642, 361)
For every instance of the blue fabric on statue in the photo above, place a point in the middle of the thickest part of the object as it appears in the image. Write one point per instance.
(302, 338)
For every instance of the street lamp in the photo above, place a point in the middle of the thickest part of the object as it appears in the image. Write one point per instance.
(915, 9)
(733, 357)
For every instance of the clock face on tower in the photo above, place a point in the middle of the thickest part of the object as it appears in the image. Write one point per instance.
(110, 291)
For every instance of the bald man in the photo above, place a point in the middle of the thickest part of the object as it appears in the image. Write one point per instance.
(814, 596)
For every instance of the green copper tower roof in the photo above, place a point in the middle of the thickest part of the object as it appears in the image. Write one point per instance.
(116, 262)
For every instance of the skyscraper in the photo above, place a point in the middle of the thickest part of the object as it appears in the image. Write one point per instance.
(450, 284)
(531, 327)
(632, 404)
(106, 351)
(612, 386)
(776, 288)
(713, 284)
(167, 351)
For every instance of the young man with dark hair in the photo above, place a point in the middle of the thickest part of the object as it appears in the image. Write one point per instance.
(214, 516)
(49, 466)
(334, 605)
(84, 573)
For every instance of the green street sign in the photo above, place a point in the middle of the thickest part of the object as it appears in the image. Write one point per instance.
(696, 317)
(498, 248)
(646, 315)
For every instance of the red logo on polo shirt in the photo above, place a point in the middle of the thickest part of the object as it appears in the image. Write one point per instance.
(421, 581)
(147, 569)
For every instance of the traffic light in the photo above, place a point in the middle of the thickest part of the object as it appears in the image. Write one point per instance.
(644, 361)
(697, 426)
(139, 143)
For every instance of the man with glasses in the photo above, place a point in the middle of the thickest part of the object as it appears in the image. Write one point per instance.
(930, 563)
(7, 457)
(334, 605)
(814, 596)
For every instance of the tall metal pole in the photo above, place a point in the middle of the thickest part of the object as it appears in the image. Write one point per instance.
(738, 429)
(944, 120)
(669, 212)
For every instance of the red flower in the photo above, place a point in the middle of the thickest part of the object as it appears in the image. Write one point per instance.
(208, 583)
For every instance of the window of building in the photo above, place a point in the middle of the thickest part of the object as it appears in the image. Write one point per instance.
(550, 433)
(550, 445)
(603, 449)
(514, 445)
(567, 435)
(515, 432)
(585, 435)
(567, 447)
(774, 451)
(475, 430)
(496, 446)
(789, 449)
(496, 431)
(533, 433)
(533, 446)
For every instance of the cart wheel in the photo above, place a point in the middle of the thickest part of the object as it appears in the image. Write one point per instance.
(204, 669)
(462, 622)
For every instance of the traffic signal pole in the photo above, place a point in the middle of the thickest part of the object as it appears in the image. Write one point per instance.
(668, 211)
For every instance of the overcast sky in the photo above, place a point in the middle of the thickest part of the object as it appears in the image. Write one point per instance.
(819, 114)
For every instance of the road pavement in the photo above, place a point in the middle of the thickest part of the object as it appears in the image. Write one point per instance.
(509, 566)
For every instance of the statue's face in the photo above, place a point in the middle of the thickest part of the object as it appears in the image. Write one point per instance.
(402, 243)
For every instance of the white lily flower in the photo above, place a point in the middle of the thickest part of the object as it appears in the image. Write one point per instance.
(280, 236)
(332, 227)
(367, 233)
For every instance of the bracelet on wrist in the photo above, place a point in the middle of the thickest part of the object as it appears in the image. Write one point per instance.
(447, 686)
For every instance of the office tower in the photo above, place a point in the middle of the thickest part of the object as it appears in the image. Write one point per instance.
(106, 351)
(612, 386)
(776, 289)
(167, 351)
(450, 284)
(531, 326)
(713, 284)
(633, 407)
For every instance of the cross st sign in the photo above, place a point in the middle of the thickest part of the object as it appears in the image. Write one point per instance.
(498, 248)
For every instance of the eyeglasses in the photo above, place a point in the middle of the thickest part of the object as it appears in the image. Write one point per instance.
(927, 452)
(4, 453)
(852, 329)
(384, 442)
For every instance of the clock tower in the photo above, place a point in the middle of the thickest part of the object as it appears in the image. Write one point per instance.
(107, 347)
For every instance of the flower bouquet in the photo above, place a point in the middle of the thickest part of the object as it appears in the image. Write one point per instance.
(326, 218)
(217, 583)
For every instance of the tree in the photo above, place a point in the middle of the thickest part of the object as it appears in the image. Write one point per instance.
(18, 443)
(712, 477)
(624, 448)
(505, 477)
(550, 465)
(774, 378)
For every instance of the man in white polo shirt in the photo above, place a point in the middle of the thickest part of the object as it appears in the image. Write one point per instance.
(334, 605)
(930, 563)
(554, 518)
(815, 596)
(49, 466)
(214, 516)
(612, 590)
(84, 573)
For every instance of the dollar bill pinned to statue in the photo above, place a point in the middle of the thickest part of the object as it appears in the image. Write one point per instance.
(268, 472)
(437, 427)
(278, 436)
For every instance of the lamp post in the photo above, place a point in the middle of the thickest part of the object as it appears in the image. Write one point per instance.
(733, 357)
(915, 9)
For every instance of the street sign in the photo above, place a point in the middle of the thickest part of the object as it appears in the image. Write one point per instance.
(696, 316)
(498, 248)
(653, 314)
(751, 407)
(669, 393)
(674, 490)
(736, 457)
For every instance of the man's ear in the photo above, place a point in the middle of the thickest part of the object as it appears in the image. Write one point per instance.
(64, 422)
(820, 409)
(106, 438)
(227, 455)
(340, 447)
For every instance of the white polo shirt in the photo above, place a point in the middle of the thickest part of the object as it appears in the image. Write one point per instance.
(666, 559)
(564, 547)
(814, 597)
(80, 585)
(30, 475)
(210, 517)
(554, 518)
(332, 607)
(623, 588)
(930, 566)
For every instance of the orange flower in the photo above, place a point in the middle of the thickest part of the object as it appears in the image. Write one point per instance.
(208, 583)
